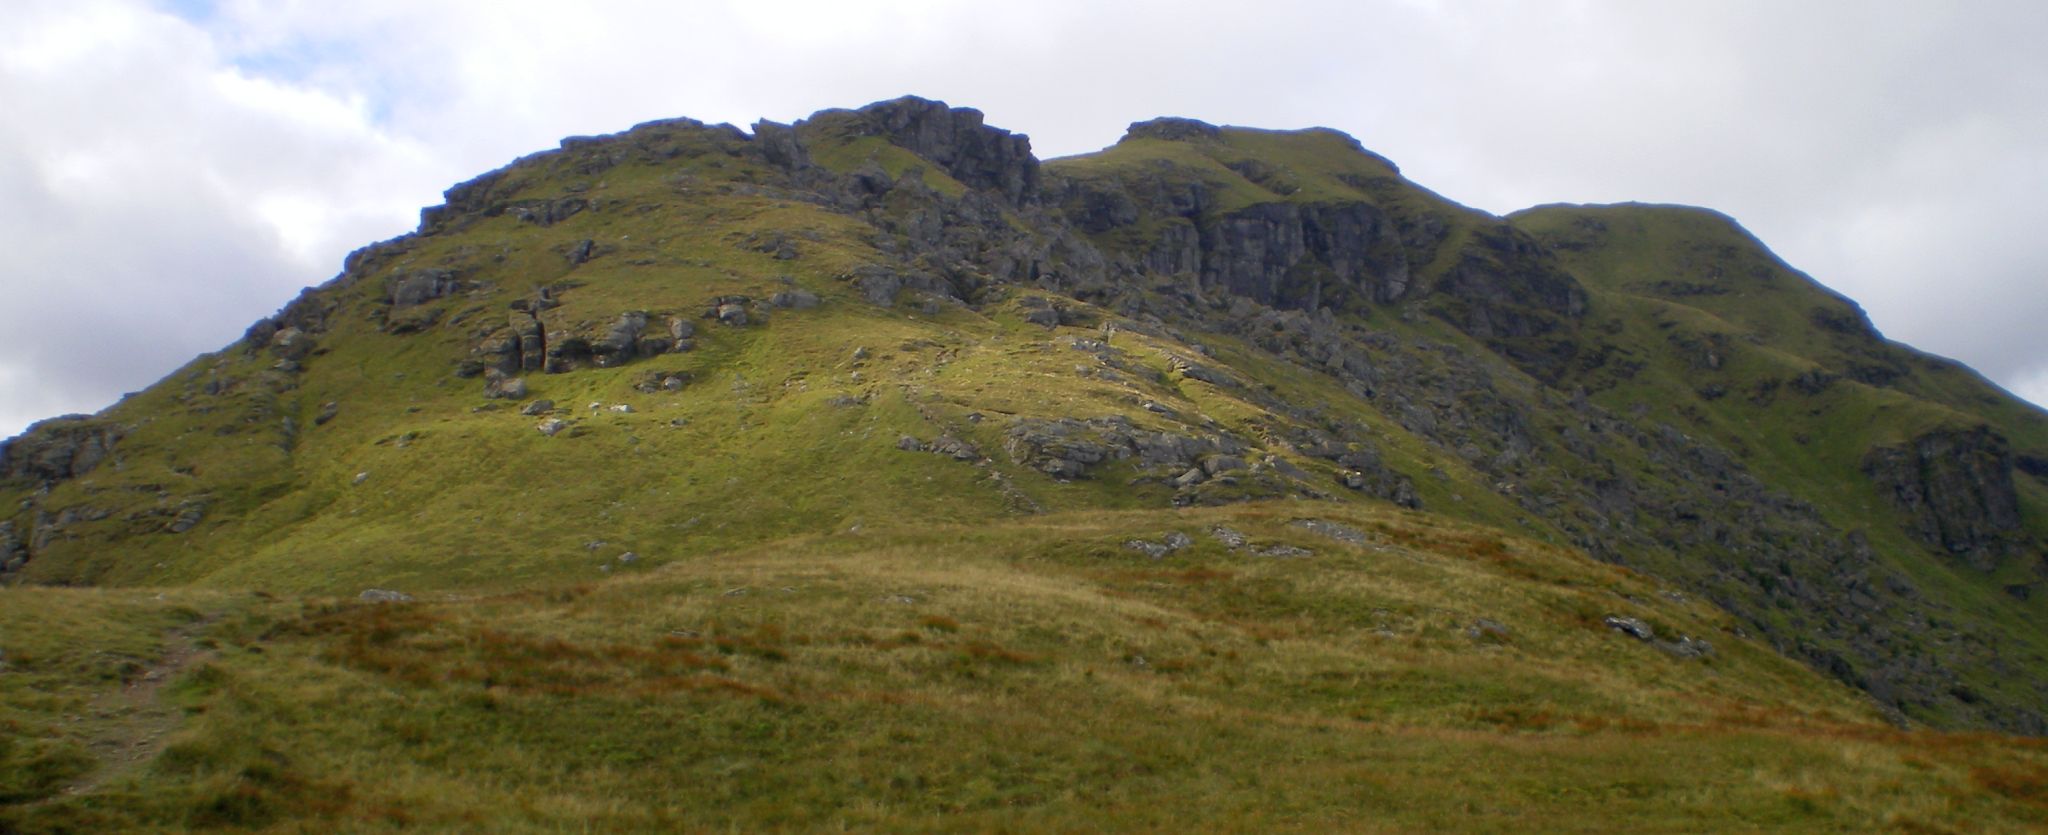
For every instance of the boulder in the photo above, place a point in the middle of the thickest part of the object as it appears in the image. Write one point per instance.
(384, 596)
(1631, 627)
(420, 286)
(621, 342)
(958, 449)
(510, 388)
(190, 513)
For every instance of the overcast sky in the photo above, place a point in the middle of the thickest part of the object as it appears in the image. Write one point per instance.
(172, 170)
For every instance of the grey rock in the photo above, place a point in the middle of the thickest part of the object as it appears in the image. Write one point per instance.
(622, 342)
(291, 344)
(580, 251)
(511, 388)
(958, 449)
(1687, 647)
(1171, 542)
(421, 286)
(1231, 539)
(58, 449)
(1331, 530)
(1631, 627)
(1284, 467)
(1284, 552)
(879, 286)
(538, 407)
(1171, 129)
(1149, 548)
(190, 513)
(384, 596)
(981, 157)
(1219, 464)
(328, 411)
(629, 557)
(659, 380)
(909, 444)
(1196, 371)
(527, 342)
(13, 552)
(1067, 448)
(1956, 493)
(794, 299)
(550, 212)
(552, 426)
(730, 314)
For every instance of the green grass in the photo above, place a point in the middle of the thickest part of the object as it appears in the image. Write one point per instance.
(1030, 675)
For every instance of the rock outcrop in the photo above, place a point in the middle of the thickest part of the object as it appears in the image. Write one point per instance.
(58, 449)
(1954, 491)
(13, 551)
(955, 138)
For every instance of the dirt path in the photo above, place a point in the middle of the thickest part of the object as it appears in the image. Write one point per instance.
(135, 719)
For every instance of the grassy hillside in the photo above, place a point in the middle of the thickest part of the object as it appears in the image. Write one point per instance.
(1740, 347)
(865, 473)
(1041, 674)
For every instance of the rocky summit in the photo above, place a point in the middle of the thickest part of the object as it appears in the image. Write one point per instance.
(870, 471)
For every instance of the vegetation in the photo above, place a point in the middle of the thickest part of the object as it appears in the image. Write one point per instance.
(816, 573)
(1038, 674)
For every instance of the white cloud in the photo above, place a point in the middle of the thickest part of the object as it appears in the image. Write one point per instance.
(164, 179)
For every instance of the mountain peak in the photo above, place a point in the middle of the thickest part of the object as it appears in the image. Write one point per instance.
(1291, 320)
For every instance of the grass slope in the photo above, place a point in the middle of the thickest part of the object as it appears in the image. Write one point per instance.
(1031, 675)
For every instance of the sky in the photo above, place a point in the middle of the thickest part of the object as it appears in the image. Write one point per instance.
(173, 170)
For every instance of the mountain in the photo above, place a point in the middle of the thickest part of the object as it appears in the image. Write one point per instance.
(812, 463)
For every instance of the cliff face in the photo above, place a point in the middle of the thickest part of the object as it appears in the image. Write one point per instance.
(1954, 492)
(754, 326)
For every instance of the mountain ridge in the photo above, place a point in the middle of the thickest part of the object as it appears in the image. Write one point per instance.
(1251, 315)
